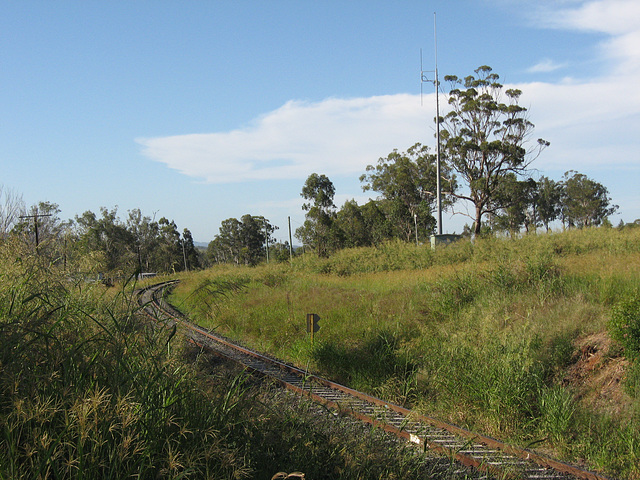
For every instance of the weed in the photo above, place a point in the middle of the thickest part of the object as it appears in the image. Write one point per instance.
(557, 408)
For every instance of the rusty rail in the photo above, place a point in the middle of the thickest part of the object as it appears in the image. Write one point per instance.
(484, 453)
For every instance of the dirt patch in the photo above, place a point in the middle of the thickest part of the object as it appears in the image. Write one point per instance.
(597, 374)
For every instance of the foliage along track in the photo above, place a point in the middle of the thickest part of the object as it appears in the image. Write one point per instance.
(485, 454)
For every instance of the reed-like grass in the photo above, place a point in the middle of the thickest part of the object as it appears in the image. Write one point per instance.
(481, 333)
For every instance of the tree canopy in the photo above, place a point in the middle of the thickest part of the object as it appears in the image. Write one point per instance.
(485, 139)
(317, 232)
(241, 242)
(407, 185)
(585, 202)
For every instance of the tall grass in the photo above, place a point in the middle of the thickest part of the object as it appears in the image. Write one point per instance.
(481, 333)
(89, 389)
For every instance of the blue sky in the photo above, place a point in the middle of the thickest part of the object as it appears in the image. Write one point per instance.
(204, 110)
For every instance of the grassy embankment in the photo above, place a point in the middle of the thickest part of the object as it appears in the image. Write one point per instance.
(511, 338)
(89, 390)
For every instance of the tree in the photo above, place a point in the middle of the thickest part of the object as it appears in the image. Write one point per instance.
(585, 202)
(517, 199)
(241, 241)
(378, 227)
(145, 232)
(109, 237)
(255, 232)
(548, 201)
(189, 251)
(485, 139)
(279, 252)
(407, 185)
(41, 221)
(216, 252)
(352, 226)
(167, 256)
(318, 191)
(11, 204)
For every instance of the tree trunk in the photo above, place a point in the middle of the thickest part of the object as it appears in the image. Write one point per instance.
(477, 224)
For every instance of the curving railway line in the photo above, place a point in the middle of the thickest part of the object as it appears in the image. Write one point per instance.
(490, 456)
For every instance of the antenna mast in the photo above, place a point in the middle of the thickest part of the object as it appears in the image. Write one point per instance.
(438, 184)
(425, 78)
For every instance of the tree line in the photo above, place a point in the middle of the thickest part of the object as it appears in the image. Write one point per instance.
(484, 159)
(485, 155)
(99, 244)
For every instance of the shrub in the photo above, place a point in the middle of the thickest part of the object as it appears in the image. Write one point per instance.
(624, 326)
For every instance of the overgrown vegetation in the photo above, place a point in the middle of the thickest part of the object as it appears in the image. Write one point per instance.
(523, 339)
(89, 389)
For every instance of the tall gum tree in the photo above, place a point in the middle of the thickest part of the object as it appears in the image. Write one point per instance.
(485, 139)
(316, 232)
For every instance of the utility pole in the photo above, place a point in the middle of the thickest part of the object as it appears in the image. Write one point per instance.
(35, 217)
(439, 187)
(184, 256)
(290, 240)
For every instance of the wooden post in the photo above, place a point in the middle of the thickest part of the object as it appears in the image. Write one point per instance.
(312, 324)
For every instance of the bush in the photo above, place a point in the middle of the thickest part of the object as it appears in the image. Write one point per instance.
(624, 326)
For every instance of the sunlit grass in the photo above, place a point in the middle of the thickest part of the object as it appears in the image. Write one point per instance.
(480, 333)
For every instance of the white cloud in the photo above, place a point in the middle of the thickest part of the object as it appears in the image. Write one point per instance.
(545, 65)
(334, 136)
(614, 17)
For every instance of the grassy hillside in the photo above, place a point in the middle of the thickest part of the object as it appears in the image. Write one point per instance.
(513, 338)
(89, 390)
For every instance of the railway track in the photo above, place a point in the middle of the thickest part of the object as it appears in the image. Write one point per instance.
(487, 455)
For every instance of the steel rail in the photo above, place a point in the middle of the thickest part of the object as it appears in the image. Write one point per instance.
(483, 453)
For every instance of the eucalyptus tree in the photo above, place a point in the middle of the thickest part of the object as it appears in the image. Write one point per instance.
(189, 251)
(548, 201)
(42, 223)
(255, 234)
(407, 185)
(241, 241)
(484, 139)
(106, 240)
(145, 233)
(585, 202)
(352, 226)
(227, 243)
(167, 256)
(317, 230)
(518, 204)
(379, 229)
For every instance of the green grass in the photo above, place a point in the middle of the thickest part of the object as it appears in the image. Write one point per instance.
(482, 334)
(89, 389)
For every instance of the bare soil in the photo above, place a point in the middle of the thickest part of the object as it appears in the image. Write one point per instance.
(597, 375)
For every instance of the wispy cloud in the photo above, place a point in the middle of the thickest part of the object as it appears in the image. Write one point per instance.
(617, 19)
(545, 65)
